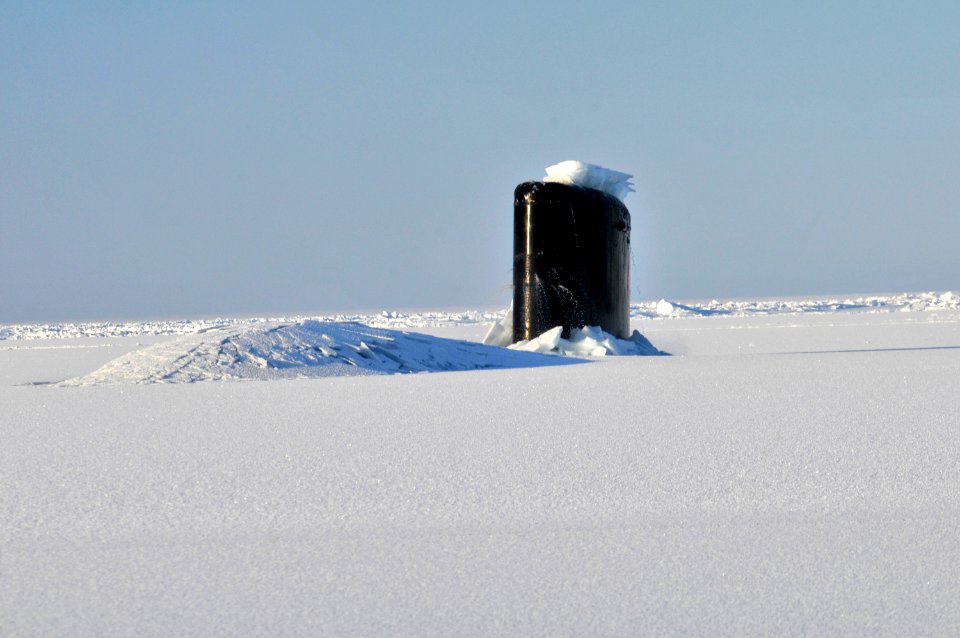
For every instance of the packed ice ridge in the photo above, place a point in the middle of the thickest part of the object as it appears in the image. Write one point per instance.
(397, 320)
(587, 341)
(590, 341)
(902, 302)
(603, 179)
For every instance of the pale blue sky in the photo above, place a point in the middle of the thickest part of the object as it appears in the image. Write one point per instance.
(161, 159)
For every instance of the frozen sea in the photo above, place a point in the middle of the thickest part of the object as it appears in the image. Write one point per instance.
(792, 469)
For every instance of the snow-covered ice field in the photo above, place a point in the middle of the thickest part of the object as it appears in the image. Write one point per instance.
(793, 468)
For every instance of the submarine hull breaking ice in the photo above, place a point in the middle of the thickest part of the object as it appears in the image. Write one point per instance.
(571, 264)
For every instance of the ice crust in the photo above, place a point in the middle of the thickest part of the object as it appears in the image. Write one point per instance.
(603, 179)
(790, 473)
(793, 471)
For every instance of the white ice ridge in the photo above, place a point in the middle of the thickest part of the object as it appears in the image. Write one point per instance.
(603, 179)
(662, 309)
(307, 349)
(904, 302)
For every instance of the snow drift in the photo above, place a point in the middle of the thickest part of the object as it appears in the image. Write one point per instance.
(303, 349)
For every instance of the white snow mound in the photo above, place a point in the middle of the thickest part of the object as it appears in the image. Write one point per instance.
(603, 179)
(298, 350)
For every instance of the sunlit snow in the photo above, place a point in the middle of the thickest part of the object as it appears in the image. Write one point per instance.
(587, 341)
(267, 350)
(401, 320)
(792, 469)
(603, 179)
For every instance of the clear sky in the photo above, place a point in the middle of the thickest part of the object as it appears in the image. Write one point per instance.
(185, 158)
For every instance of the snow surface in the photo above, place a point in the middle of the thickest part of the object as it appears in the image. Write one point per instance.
(603, 179)
(793, 469)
